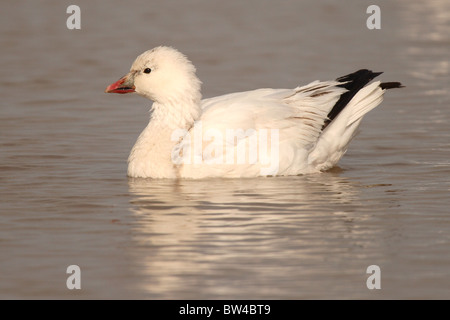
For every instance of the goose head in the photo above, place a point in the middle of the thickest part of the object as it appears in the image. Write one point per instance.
(163, 75)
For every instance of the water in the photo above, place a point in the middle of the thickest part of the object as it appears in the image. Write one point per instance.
(66, 200)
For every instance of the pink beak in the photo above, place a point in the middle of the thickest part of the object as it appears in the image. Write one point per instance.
(123, 85)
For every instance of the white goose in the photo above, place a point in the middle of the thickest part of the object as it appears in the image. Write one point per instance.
(263, 132)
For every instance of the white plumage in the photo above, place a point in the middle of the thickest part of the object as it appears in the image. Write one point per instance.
(246, 134)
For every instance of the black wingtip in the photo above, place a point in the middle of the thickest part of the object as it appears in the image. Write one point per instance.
(391, 85)
(357, 79)
(354, 82)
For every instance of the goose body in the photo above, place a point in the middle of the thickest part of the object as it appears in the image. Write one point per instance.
(264, 132)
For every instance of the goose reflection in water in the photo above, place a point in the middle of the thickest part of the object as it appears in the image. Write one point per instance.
(228, 235)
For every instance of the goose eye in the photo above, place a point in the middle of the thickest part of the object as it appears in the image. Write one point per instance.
(147, 70)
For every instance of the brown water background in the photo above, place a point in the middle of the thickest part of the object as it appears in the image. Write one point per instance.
(65, 198)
